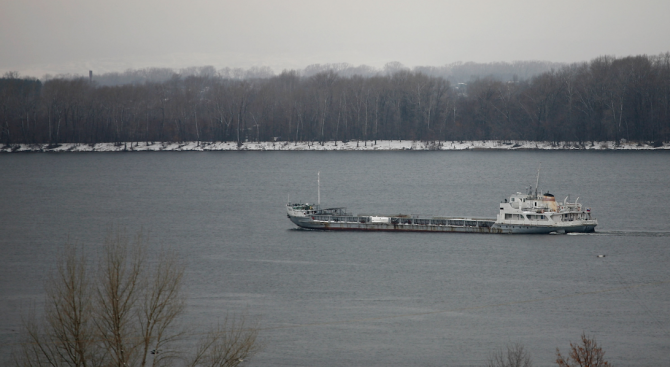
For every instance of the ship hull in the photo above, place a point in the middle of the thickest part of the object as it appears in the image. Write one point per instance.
(533, 229)
(482, 226)
(308, 223)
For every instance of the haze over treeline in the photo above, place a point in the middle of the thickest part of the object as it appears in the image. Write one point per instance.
(607, 98)
(459, 72)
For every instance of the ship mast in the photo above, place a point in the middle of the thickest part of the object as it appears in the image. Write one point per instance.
(318, 190)
(537, 182)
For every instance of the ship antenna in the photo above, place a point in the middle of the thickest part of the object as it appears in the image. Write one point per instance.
(537, 182)
(318, 182)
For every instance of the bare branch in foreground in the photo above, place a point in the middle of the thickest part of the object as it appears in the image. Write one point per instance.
(229, 344)
(125, 314)
(586, 354)
(516, 356)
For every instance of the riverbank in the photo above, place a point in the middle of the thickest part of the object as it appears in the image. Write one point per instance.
(354, 145)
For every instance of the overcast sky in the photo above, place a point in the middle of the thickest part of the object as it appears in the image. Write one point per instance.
(74, 36)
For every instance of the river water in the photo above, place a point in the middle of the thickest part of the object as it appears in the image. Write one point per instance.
(364, 299)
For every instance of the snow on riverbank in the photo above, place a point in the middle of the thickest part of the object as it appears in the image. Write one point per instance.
(370, 145)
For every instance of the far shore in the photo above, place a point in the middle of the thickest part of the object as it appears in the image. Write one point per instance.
(352, 145)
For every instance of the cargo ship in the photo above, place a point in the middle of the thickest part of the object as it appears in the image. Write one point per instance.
(521, 213)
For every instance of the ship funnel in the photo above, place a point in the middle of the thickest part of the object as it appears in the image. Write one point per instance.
(550, 202)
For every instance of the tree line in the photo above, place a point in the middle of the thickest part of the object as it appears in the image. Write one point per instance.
(606, 99)
(458, 72)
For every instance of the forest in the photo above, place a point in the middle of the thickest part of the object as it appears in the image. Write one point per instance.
(605, 99)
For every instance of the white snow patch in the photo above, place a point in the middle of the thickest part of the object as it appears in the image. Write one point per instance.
(353, 145)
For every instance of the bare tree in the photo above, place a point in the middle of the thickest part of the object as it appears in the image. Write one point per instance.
(117, 297)
(125, 315)
(586, 354)
(161, 306)
(68, 335)
(515, 356)
(228, 345)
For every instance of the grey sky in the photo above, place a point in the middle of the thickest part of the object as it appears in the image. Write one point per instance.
(73, 36)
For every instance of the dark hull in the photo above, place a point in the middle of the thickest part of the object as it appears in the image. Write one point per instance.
(483, 226)
(308, 223)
